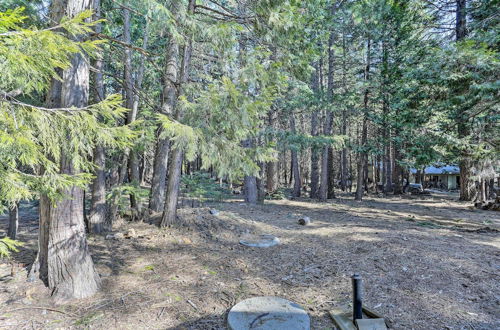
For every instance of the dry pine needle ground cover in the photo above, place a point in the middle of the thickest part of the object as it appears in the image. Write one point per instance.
(428, 263)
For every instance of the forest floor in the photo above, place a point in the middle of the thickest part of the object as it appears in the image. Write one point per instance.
(428, 262)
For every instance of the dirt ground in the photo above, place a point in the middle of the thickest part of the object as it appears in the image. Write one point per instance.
(428, 262)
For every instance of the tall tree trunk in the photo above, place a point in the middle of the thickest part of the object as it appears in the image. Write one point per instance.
(314, 132)
(98, 221)
(130, 158)
(314, 158)
(398, 171)
(99, 207)
(343, 171)
(323, 191)
(295, 163)
(65, 261)
(327, 188)
(175, 172)
(386, 129)
(461, 20)
(134, 162)
(169, 217)
(272, 167)
(467, 186)
(363, 154)
(331, 173)
(157, 197)
(261, 192)
(13, 221)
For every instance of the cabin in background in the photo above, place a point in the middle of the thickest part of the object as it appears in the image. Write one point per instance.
(441, 177)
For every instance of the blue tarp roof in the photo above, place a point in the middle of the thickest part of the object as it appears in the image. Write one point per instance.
(435, 170)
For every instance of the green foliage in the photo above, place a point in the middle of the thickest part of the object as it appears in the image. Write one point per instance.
(7, 246)
(181, 136)
(201, 186)
(33, 139)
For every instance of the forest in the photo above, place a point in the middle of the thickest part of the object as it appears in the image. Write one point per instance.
(163, 160)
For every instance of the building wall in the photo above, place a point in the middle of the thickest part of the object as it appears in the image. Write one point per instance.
(452, 181)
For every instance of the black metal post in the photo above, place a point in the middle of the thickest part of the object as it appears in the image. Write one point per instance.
(357, 297)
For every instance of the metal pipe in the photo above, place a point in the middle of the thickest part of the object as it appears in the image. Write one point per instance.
(357, 297)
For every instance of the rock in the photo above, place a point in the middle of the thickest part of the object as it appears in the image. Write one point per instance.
(119, 236)
(131, 233)
(268, 313)
(263, 241)
(115, 236)
(304, 221)
(214, 212)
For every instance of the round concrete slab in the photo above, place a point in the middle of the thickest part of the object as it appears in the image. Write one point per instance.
(262, 241)
(268, 313)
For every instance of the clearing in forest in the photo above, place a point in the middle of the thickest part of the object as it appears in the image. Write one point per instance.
(428, 263)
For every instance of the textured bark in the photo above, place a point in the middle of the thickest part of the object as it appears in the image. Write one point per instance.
(363, 155)
(387, 131)
(98, 210)
(98, 207)
(250, 187)
(461, 20)
(467, 185)
(157, 198)
(131, 157)
(343, 166)
(175, 172)
(169, 217)
(295, 163)
(398, 171)
(261, 191)
(327, 188)
(158, 181)
(331, 174)
(13, 221)
(64, 259)
(272, 167)
(314, 132)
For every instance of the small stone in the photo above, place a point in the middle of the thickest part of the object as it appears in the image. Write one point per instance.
(214, 212)
(131, 233)
(119, 236)
(304, 221)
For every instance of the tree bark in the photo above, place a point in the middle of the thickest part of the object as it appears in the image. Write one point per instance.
(157, 198)
(314, 158)
(261, 192)
(343, 170)
(363, 154)
(174, 176)
(386, 129)
(295, 163)
(327, 188)
(169, 217)
(13, 221)
(97, 218)
(467, 186)
(272, 167)
(314, 132)
(461, 20)
(65, 262)
(99, 207)
(398, 171)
